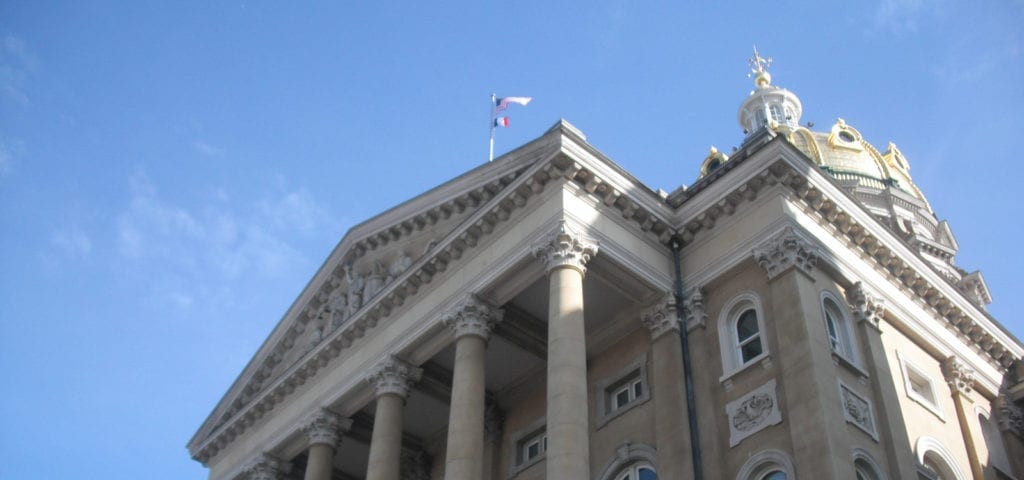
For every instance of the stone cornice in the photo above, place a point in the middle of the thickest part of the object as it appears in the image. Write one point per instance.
(472, 316)
(566, 248)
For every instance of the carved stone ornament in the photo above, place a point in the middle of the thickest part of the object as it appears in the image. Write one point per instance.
(784, 251)
(472, 316)
(393, 376)
(865, 306)
(959, 376)
(753, 412)
(973, 287)
(695, 310)
(326, 427)
(266, 467)
(857, 410)
(661, 318)
(1010, 417)
(567, 248)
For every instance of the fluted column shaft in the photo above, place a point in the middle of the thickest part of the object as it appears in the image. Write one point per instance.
(568, 430)
(319, 462)
(323, 431)
(471, 322)
(568, 455)
(465, 452)
(386, 442)
(392, 381)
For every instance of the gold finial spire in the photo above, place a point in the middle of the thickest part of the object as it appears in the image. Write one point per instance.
(759, 69)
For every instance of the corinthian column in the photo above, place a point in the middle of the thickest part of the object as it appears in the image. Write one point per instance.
(565, 256)
(323, 430)
(471, 321)
(392, 379)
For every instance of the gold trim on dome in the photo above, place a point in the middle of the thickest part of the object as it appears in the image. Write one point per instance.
(845, 136)
(713, 155)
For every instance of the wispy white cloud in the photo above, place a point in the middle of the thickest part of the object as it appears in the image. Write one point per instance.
(206, 149)
(72, 241)
(906, 16)
(207, 245)
(16, 63)
(6, 160)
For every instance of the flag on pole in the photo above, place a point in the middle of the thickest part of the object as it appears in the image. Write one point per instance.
(503, 102)
(501, 122)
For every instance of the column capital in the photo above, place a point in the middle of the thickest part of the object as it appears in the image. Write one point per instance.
(865, 306)
(958, 375)
(472, 316)
(662, 317)
(393, 375)
(566, 248)
(784, 251)
(325, 426)
(266, 467)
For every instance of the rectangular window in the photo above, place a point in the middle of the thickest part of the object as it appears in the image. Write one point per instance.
(919, 386)
(532, 447)
(625, 392)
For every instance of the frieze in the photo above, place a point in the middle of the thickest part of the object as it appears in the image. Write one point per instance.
(753, 412)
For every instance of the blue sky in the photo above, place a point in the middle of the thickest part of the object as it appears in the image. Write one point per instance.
(171, 176)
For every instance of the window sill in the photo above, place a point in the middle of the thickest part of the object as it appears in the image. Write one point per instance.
(764, 359)
(839, 360)
(517, 469)
(608, 417)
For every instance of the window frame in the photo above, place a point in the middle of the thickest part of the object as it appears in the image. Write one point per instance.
(728, 335)
(521, 440)
(625, 379)
(844, 345)
(633, 471)
(910, 371)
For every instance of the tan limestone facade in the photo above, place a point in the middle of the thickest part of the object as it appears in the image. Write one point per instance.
(530, 320)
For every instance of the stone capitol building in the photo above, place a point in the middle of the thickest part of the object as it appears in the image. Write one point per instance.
(795, 312)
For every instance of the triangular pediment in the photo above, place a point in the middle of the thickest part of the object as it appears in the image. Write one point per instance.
(394, 245)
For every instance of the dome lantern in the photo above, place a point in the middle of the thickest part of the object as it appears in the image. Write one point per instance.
(768, 106)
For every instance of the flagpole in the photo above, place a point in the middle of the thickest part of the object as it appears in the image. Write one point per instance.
(490, 156)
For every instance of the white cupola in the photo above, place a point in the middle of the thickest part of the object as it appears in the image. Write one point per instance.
(768, 106)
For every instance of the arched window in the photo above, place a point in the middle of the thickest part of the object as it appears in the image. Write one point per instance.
(993, 441)
(864, 471)
(865, 467)
(741, 332)
(767, 465)
(936, 462)
(837, 327)
(637, 471)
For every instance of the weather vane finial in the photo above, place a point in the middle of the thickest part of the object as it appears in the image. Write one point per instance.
(759, 69)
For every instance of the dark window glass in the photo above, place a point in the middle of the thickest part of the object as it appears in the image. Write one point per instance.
(751, 349)
(746, 326)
